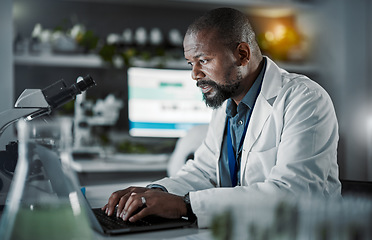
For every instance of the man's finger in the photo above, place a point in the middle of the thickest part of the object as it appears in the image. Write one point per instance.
(133, 204)
(113, 201)
(121, 204)
(141, 214)
(104, 207)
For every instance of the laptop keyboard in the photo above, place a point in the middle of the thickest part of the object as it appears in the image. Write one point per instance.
(113, 222)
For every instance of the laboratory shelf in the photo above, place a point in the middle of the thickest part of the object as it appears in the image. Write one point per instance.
(89, 61)
(94, 61)
(54, 60)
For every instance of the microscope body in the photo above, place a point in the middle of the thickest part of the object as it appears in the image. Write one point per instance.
(31, 104)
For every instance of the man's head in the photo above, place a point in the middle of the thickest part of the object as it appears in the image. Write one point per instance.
(224, 55)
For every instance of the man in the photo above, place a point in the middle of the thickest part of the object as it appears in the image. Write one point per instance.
(275, 132)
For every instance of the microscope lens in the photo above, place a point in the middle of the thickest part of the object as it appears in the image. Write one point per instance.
(86, 83)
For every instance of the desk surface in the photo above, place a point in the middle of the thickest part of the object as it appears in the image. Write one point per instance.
(98, 195)
(123, 162)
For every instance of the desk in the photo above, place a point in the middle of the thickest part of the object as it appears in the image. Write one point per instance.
(97, 196)
(123, 162)
(129, 169)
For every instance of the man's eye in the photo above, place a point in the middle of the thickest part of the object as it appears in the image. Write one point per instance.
(203, 61)
(190, 63)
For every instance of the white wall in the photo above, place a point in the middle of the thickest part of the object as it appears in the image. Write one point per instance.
(369, 80)
(6, 64)
(344, 40)
(356, 88)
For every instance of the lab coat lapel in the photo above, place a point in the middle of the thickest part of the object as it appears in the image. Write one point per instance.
(271, 85)
(256, 123)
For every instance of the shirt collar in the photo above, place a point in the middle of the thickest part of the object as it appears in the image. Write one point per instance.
(249, 98)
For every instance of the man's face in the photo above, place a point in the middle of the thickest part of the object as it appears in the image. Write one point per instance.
(214, 67)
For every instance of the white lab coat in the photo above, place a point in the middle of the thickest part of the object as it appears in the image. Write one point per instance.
(290, 148)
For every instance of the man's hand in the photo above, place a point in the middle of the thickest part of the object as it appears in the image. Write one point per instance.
(157, 203)
(119, 198)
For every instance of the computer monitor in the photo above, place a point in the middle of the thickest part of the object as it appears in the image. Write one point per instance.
(164, 103)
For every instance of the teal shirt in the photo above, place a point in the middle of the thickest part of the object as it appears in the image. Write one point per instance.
(238, 117)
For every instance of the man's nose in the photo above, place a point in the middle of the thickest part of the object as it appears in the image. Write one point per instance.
(197, 73)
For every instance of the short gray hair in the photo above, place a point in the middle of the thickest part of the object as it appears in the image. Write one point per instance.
(232, 26)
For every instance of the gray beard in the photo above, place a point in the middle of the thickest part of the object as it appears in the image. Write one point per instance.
(223, 92)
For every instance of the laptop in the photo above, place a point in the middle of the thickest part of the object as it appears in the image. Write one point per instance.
(98, 219)
(113, 225)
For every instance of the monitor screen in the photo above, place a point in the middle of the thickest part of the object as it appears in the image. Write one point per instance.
(164, 103)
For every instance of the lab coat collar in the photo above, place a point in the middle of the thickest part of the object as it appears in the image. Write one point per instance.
(271, 88)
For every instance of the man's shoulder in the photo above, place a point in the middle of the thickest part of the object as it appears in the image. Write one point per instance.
(276, 73)
(299, 82)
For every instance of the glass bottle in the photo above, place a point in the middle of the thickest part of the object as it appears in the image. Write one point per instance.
(44, 201)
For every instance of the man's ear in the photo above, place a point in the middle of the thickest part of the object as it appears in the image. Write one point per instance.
(244, 53)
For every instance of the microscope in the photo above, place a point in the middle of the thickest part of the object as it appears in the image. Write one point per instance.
(31, 104)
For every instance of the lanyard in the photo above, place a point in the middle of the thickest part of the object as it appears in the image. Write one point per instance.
(231, 154)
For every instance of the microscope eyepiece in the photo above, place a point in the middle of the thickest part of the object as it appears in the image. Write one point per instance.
(58, 93)
(85, 83)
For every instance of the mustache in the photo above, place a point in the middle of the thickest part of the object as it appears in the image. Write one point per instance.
(206, 82)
